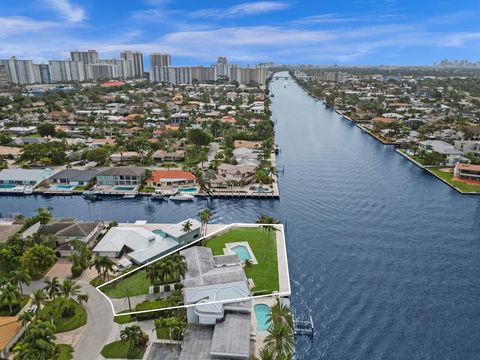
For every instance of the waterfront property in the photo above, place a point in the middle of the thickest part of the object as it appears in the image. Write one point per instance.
(17, 180)
(119, 180)
(74, 177)
(166, 179)
(141, 245)
(452, 156)
(467, 173)
(236, 173)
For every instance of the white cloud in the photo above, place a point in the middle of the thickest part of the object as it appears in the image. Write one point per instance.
(244, 9)
(71, 13)
(13, 25)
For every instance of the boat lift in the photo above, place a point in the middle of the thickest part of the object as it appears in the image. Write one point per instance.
(304, 327)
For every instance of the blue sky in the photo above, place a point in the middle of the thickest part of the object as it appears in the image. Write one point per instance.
(369, 32)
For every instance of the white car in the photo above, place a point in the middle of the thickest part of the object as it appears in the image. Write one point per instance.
(32, 309)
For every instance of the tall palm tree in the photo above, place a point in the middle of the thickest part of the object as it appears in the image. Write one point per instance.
(69, 289)
(82, 298)
(103, 265)
(39, 298)
(178, 265)
(157, 272)
(25, 318)
(280, 314)
(39, 344)
(10, 295)
(20, 276)
(267, 222)
(205, 216)
(132, 334)
(279, 341)
(52, 288)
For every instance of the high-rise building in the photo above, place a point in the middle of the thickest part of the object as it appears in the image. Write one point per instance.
(4, 78)
(222, 60)
(66, 70)
(20, 71)
(203, 73)
(124, 67)
(137, 61)
(42, 72)
(170, 74)
(101, 71)
(160, 60)
(87, 57)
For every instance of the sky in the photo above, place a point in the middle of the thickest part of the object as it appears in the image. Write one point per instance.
(345, 32)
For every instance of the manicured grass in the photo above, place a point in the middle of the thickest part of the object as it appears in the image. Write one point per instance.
(97, 281)
(264, 246)
(63, 324)
(5, 310)
(121, 350)
(65, 352)
(80, 188)
(137, 284)
(123, 319)
(147, 189)
(448, 176)
(163, 333)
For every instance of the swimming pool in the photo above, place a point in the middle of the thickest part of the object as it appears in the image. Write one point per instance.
(188, 190)
(160, 233)
(242, 252)
(261, 314)
(7, 186)
(63, 187)
(124, 188)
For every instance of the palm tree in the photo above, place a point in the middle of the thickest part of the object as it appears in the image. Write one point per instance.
(25, 318)
(52, 288)
(69, 288)
(157, 272)
(132, 334)
(20, 276)
(39, 344)
(82, 298)
(10, 295)
(205, 216)
(279, 341)
(187, 226)
(267, 222)
(103, 265)
(178, 265)
(39, 298)
(280, 314)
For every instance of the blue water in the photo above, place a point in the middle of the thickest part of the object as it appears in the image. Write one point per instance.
(242, 252)
(385, 257)
(261, 314)
(160, 233)
(188, 190)
(7, 186)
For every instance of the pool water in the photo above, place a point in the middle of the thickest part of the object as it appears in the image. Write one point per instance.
(242, 252)
(124, 188)
(261, 314)
(160, 233)
(63, 187)
(188, 190)
(7, 186)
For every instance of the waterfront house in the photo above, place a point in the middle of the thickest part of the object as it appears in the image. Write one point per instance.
(168, 156)
(237, 173)
(66, 230)
(142, 245)
(452, 156)
(468, 172)
(74, 177)
(468, 146)
(24, 177)
(167, 178)
(127, 175)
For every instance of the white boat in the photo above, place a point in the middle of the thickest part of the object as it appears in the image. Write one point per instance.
(181, 197)
(28, 190)
(129, 196)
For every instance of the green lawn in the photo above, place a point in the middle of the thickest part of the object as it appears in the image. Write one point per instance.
(123, 319)
(65, 352)
(63, 324)
(137, 284)
(120, 350)
(5, 310)
(163, 333)
(448, 176)
(264, 247)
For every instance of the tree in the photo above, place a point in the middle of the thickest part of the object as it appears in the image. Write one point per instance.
(37, 259)
(52, 288)
(280, 314)
(279, 341)
(205, 216)
(82, 298)
(46, 129)
(175, 326)
(39, 298)
(198, 138)
(38, 344)
(157, 272)
(103, 265)
(20, 276)
(25, 318)
(178, 265)
(99, 155)
(134, 335)
(187, 226)
(69, 289)
(10, 295)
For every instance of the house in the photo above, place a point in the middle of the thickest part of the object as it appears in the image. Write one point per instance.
(468, 146)
(66, 230)
(162, 178)
(75, 177)
(24, 177)
(452, 155)
(10, 152)
(246, 156)
(468, 172)
(142, 245)
(179, 118)
(238, 173)
(10, 331)
(168, 156)
(126, 175)
(247, 144)
(124, 156)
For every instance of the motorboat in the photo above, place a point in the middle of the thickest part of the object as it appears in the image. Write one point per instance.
(181, 197)
(28, 190)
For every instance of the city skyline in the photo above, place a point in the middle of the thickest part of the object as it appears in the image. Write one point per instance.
(360, 32)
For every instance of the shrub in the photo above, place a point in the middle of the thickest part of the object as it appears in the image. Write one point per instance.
(76, 270)
(68, 311)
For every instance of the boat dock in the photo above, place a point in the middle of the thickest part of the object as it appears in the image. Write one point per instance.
(304, 327)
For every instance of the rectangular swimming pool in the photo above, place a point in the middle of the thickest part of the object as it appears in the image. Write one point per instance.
(242, 252)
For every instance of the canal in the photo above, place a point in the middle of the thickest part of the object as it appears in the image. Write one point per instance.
(384, 257)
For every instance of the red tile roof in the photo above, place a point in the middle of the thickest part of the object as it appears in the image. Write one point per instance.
(158, 175)
(471, 167)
